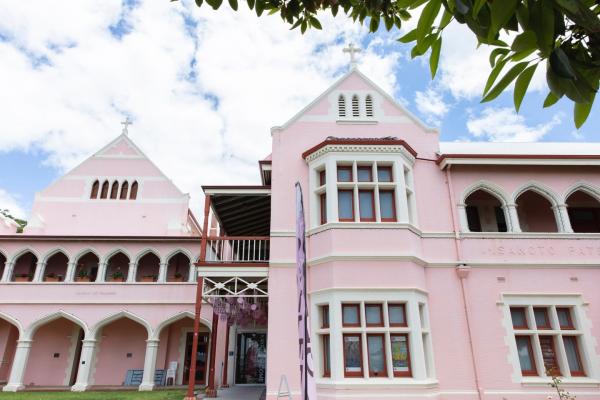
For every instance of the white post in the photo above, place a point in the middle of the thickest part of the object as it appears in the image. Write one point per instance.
(101, 272)
(149, 365)
(38, 275)
(131, 272)
(192, 273)
(417, 352)
(88, 350)
(462, 218)
(563, 218)
(70, 274)
(162, 272)
(17, 372)
(400, 193)
(514, 217)
(331, 190)
(8, 267)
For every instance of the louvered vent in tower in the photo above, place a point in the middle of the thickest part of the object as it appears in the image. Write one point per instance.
(369, 105)
(355, 107)
(342, 106)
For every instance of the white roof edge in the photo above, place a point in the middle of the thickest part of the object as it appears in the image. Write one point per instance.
(520, 148)
(370, 82)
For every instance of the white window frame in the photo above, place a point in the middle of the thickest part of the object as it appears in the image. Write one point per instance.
(402, 183)
(417, 329)
(589, 358)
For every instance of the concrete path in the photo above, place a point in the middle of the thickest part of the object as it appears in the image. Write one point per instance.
(241, 393)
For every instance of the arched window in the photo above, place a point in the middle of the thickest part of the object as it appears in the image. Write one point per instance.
(369, 105)
(95, 188)
(124, 190)
(342, 106)
(485, 212)
(114, 190)
(134, 190)
(104, 193)
(355, 107)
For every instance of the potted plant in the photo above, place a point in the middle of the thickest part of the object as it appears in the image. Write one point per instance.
(149, 278)
(178, 277)
(52, 277)
(22, 277)
(82, 276)
(118, 276)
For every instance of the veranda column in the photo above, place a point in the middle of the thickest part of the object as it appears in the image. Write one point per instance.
(131, 272)
(17, 372)
(462, 218)
(70, 275)
(149, 365)
(86, 360)
(211, 390)
(39, 271)
(192, 273)
(162, 272)
(562, 218)
(101, 274)
(514, 217)
(8, 268)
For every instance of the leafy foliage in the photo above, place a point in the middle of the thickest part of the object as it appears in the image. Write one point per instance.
(20, 222)
(565, 33)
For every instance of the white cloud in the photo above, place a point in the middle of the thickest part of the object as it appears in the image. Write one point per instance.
(504, 125)
(10, 203)
(203, 87)
(432, 104)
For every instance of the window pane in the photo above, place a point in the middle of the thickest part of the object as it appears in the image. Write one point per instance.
(525, 356)
(352, 355)
(324, 316)
(373, 314)
(541, 318)
(564, 318)
(549, 355)
(400, 359)
(350, 314)
(364, 174)
(473, 219)
(367, 210)
(323, 205)
(346, 205)
(326, 357)
(384, 174)
(322, 178)
(519, 319)
(396, 314)
(573, 355)
(386, 205)
(376, 355)
(344, 174)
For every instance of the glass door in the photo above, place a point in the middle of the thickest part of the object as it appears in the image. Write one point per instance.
(251, 358)
(201, 358)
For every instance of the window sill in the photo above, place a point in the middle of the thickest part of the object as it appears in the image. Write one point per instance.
(374, 383)
(357, 121)
(566, 382)
(363, 225)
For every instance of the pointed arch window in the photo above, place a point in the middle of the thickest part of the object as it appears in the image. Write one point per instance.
(124, 190)
(95, 189)
(104, 193)
(134, 190)
(342, 106)
(355, 106)
(114, 190)
(369, 105)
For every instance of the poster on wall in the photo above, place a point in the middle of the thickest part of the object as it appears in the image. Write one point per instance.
(307, 377)
(400, 354)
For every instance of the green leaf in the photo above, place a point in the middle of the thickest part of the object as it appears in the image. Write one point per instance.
(251, 4)
(199, 3)
(430, 11)
(581, 112)
(314, 22)
(215, 4)
(374, 24)
(521, 55)
(494, 74)
(505, 81)
(422, 47)
(522, 84)
(233, 4)
(409, 37)
(495, 53)
(561, 65)
(446, 19)
(501, 13)
(334, 9)
(462, 7)
(551, 99)
(541, 20)
(434, 58)
(389, 22)
(303, 26)
(477, 7)
(525, 41)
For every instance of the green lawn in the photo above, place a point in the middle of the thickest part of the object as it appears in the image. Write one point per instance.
(133, 395)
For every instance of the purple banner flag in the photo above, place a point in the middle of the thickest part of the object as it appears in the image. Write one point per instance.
(307, 375)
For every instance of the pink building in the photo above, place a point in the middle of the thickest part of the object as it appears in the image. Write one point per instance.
(449, 271)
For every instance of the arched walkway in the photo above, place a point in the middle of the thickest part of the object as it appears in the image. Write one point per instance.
(536, 212)
(117, 268)
(54, 356)
(24, 267)
(86, 267)
(584, 212)
(148, 267)
(485, 212)
(56, 268)
(178, 268)
(9, 334)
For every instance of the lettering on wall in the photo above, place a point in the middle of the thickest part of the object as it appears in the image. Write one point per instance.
(541, 250)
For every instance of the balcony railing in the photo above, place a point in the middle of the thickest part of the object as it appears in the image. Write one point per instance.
(237, 250)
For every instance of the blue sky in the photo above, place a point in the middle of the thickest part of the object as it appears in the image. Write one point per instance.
(203, 88)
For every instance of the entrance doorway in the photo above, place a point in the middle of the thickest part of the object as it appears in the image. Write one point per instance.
(251, 359)
(200, 359)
